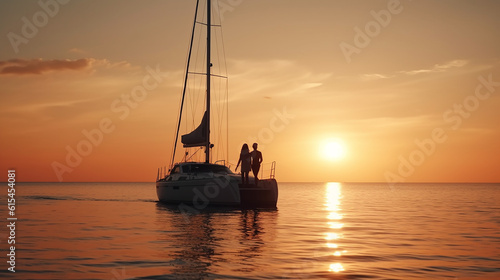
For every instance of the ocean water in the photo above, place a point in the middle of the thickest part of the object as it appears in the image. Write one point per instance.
(319, 231)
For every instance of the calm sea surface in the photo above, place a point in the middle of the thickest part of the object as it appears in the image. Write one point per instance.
(319, 231)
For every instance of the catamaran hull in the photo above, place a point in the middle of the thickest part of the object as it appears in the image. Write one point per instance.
(264, 195)
(218, 192)
(201, 192)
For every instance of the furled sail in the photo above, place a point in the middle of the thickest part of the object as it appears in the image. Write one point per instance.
(197, 137)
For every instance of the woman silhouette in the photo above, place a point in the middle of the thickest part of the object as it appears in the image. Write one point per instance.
(245, 163)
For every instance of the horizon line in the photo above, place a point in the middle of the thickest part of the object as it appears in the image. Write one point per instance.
(305, 182)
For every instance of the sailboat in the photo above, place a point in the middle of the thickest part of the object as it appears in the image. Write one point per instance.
(203, 183)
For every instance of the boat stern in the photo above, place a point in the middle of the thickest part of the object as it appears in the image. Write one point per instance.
(262, 195)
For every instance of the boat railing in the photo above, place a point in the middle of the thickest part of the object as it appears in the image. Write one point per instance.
(226, 163)
(162, 173)
(221, 162)
(273, 170)
(269, 170)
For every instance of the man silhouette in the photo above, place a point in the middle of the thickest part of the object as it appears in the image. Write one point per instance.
(256, 161)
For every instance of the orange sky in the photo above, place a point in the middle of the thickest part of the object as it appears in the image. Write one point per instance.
(410, 89)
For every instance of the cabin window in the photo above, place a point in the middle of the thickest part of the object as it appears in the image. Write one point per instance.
(175, 170)
(208, 168)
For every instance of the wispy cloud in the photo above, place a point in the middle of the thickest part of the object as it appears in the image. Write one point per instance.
(371, 77)
(40, 66)
(438, 67)
(275, 78)
(77, 51)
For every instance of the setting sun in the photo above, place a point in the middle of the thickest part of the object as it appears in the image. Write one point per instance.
(333, 150)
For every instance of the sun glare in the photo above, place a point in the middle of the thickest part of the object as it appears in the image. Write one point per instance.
(333, 150)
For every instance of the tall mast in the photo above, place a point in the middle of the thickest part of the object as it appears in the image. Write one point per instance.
(209, 64)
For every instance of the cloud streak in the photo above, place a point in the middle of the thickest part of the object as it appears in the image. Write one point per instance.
(279, 78)
(438, 67)
(40, 66)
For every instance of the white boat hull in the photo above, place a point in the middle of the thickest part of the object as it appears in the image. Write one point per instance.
(219, 190)
(203, 184)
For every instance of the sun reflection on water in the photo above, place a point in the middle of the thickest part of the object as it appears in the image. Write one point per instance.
(331, 236)
(335, 225)
(333, 198)
(332, 245)
(336, 267)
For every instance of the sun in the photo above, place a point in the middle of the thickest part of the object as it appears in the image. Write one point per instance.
(333, 150)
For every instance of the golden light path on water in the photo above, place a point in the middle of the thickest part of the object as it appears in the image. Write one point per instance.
(333, 197)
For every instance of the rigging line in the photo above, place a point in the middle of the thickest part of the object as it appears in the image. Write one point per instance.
(216, 93)
(220, 113)
(203, 80)
(220, 31)
(217, 121)
(193, 83)
(196, 84)
(227, 84)
(203, 23)
(219, 93)
(184, 89)
(194, 96)
(218, 51)
(222, 116)
(227, 119)
(213, 75)
(194, 154)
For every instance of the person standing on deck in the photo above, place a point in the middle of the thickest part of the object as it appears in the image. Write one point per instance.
(245, 163)
(256, 161)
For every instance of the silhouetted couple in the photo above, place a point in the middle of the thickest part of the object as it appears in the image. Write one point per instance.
(249, 160)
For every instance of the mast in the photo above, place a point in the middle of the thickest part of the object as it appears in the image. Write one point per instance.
(209, 64)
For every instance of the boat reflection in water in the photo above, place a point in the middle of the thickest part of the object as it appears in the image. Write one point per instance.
(333, 197)
(215, 242)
